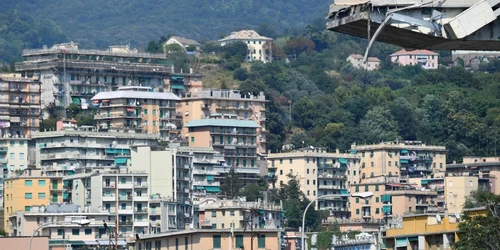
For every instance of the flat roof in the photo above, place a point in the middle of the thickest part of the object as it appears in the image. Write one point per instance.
(135, 94)
(222, 123)
(174, 233)
(94, 134)
(473, 164)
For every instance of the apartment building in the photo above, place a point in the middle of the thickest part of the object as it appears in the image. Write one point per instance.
(19, 105)
(138, 109)
(390, 199)
(72, 75)
(235, 139)
(319, 172)
(215, 213)
(402, 159)
(426, 231)
(246, 106)
(86, 148)
(259, 47)
(425, 58)
(30, 188)
(356, 60)
(486, 169)
(181, 41)
(223, 239)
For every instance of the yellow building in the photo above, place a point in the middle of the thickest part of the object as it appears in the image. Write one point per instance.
(404, 160)
(206, 103)
(136, 108)
(426, 231)
(220, 239)
(19, 105)
(319, 172)
(390, 200)
(31, 188)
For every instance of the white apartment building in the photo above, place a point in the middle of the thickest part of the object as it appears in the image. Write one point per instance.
(58, 223)
(259, 47)
(86, 148)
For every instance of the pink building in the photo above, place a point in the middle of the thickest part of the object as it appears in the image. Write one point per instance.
(372, 63)
(426, 58)
(66, 123)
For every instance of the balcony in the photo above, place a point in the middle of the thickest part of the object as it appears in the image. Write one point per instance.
(125, 223)
(366, 215)
(143, 223)
(108, 185)
(140, 198)
(4, 161)
(140, 185)
(141, 211)
(3, 149)
(108, 198)
(127, 185)
(125, 198)
(125, 211)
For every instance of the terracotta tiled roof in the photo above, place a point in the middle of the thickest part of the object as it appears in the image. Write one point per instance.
(424, 52)
(245, 35)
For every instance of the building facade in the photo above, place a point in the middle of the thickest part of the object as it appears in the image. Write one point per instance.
(19, 105)
(319, 172)
(425, 58)
(356, 60)
(139, 109)
(86, 149)
(30, 188)
(259, 47)
(182, 41)
(404, 160)
(207, 103)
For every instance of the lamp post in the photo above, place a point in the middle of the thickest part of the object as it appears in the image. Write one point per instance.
(83, 222)
(366, 196)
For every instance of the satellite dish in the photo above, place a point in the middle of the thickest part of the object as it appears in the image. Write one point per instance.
(457, 215)
(438, 217)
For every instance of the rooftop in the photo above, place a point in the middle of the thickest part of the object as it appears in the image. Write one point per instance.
(417, 52)
(94, 134)
(398, 145)
(135, 95)
(370, 59)
(184, 40)
(222, 123)
(182, 232)
(245, 35)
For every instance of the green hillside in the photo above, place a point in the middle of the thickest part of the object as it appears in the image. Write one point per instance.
(100, 23)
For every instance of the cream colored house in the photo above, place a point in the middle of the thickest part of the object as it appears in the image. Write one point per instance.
(320, 173)
(259, 47)
(182, 41)
(356, 60)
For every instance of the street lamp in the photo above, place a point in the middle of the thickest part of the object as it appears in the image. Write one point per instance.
(366, 196)
(82, 222)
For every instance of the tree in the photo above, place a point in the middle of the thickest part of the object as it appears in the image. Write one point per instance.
(378, 125)
(266, 30)
(480, 232)
(240, 74)
(232, 184)
(252, 192)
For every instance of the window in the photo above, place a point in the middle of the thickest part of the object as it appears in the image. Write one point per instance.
(372, 164)
(75, 231)
(192, 138)
(28, 196)
(154, 111)
(281, 161)
(354, 172)
(262, 241)
(214, 213)
(281, 171)
(145, 111)
(307, 171)
(357, 188)
(291, 161)
(357, 210)
(440, 165)
(377, 210)
(154, 123)
(21, 156)
(158, 245)
(88, 231)
(28, 183)
(308, 192)
(376, 187)
(231, 213)
(41, 196)
(377, 199)
(357, 200)
(12, 143)
(239, 241)
(12, 156)
(307, 160)
(216, 241)
(470, 183)
(41, 183)
(390, 163)
(27, 208)
(366, 188)
(307, 182)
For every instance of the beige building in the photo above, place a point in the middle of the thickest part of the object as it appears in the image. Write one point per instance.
(259, 47)
(402, 159)
(182, 41)
(372, 63)
(19, 105)
(30, 188)
(138, 109)
(223, 239)
(15, 242)
(319, 172)
(207, 103)
(487, 169)
(214, 213)
(390, 199)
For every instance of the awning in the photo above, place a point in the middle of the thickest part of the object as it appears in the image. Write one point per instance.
(106, 242)
(404, 151)
(414, 238)
(177, 86)
(425, 182)
(353, 151)
(104, 100)
(130, 109)
(200, 187)
(120, 160)
(176, 77)
(343, 191)
(210, 177)
(211, 189)
(76, 100)
(401, 242)
(404, 161)
(343, 161)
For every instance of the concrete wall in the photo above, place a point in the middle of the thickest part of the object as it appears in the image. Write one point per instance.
(456, 189)
(9, 243)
